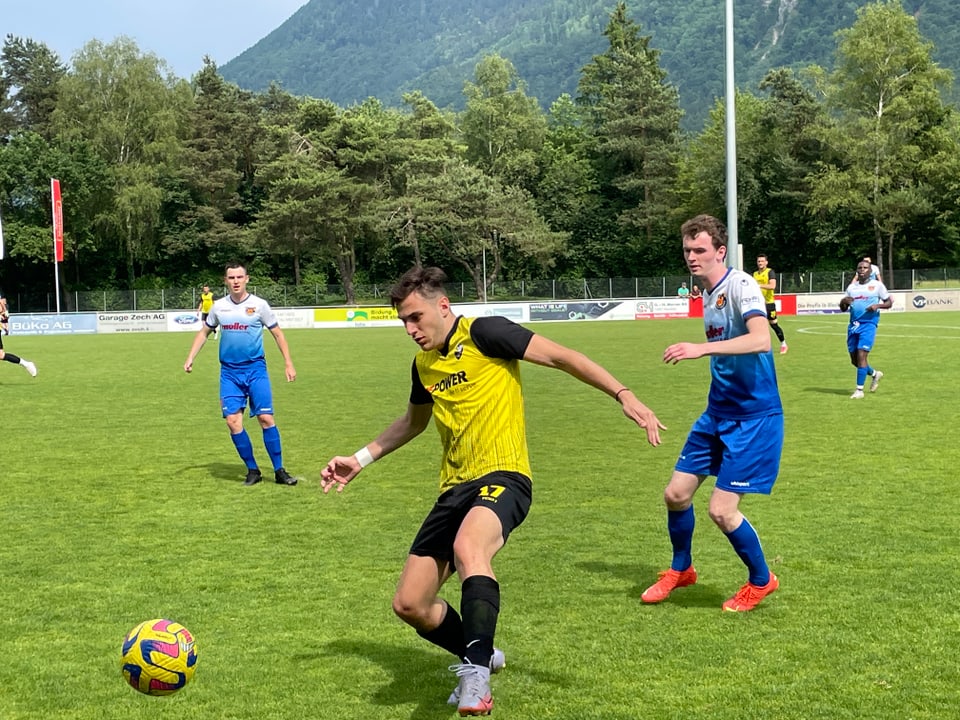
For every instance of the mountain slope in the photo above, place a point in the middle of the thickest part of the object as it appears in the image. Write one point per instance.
(348, 50)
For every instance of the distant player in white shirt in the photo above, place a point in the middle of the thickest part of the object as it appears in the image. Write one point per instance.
(242, 318)
(874, 270)
(739, 437)
(864, 299)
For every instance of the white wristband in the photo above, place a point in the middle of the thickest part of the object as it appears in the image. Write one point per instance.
(363, 456)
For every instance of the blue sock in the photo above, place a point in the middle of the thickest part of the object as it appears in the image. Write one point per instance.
(870, 370)
(861, 376)
(271, 440)
(746, 543)
(245, 449)
(680, 525)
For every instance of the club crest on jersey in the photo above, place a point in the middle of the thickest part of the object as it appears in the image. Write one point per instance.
(250, 310)
(721, 301)
(458, 351)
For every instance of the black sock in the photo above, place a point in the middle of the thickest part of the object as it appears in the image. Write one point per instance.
(779, 332)
(10, 357)
(448, 634)
(480, 606)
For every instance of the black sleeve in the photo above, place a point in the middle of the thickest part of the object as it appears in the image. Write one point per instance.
(499, 337)
(418, 393)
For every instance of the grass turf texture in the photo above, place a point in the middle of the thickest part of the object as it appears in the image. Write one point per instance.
(122, 501)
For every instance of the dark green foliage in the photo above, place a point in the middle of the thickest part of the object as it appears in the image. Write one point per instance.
(348, 51)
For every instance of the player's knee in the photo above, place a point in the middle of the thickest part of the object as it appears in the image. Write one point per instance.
(410, 612)
(676, 498)
(724, 519)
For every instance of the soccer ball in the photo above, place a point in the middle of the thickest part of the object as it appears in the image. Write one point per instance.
(158, 657)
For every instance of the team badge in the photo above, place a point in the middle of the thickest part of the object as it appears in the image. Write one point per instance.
(250, 311)
(458, 351)
(721, 301)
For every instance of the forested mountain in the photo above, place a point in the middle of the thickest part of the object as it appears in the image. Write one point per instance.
(348, 50)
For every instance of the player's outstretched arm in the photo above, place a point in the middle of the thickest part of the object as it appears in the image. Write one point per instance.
(548, 353)
(755, 340)
(641, 415)
(341, 469)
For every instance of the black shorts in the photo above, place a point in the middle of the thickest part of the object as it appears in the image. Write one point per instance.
(508, 494)
(771, 311)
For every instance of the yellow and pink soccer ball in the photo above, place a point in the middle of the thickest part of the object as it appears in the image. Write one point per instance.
(159, 657)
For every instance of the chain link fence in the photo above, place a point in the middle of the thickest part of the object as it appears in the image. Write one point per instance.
(506, 291)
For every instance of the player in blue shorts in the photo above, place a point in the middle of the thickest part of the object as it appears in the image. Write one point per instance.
(865, 297)
(738, 439)
(242, 318)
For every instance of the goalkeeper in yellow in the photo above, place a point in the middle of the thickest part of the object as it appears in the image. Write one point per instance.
(766, 278)
(466, 376)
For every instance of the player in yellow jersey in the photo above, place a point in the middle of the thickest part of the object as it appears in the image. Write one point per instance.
(206, 302)
(766, 278)
(466, 377)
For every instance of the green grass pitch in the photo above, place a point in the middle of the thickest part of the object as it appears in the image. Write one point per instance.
(121, 500)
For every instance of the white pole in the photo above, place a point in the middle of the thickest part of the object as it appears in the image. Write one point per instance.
(733, 250)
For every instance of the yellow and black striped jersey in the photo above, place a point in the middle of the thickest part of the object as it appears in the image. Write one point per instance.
(474, 384)
(763, 277)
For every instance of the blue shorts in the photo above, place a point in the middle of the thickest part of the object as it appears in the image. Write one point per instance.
(237, 385)
(861, 337)
(744, 455)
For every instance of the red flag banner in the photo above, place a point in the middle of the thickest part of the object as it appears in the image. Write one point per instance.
(57, 219)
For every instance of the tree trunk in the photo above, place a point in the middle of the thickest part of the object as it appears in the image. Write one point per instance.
(887, 271)
(347, 267)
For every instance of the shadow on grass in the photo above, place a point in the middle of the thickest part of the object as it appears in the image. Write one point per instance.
(228, 472)
(642, 576)
(418, 677)
(826, 391)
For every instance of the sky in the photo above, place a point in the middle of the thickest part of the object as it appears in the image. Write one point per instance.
(180, 32)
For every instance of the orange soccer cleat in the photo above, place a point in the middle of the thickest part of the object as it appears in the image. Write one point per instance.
(750, 595)
(668, 581)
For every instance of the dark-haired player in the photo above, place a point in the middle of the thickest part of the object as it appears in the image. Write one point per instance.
(865, 298)
(766, 278)
(466, 377)
(242, 318)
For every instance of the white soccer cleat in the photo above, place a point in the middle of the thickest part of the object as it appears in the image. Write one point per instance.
(30, 368)
(497, 663)
(857, 395)
(876, 380)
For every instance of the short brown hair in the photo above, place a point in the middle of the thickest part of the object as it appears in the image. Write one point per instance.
(708, 224)
(427, 282)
